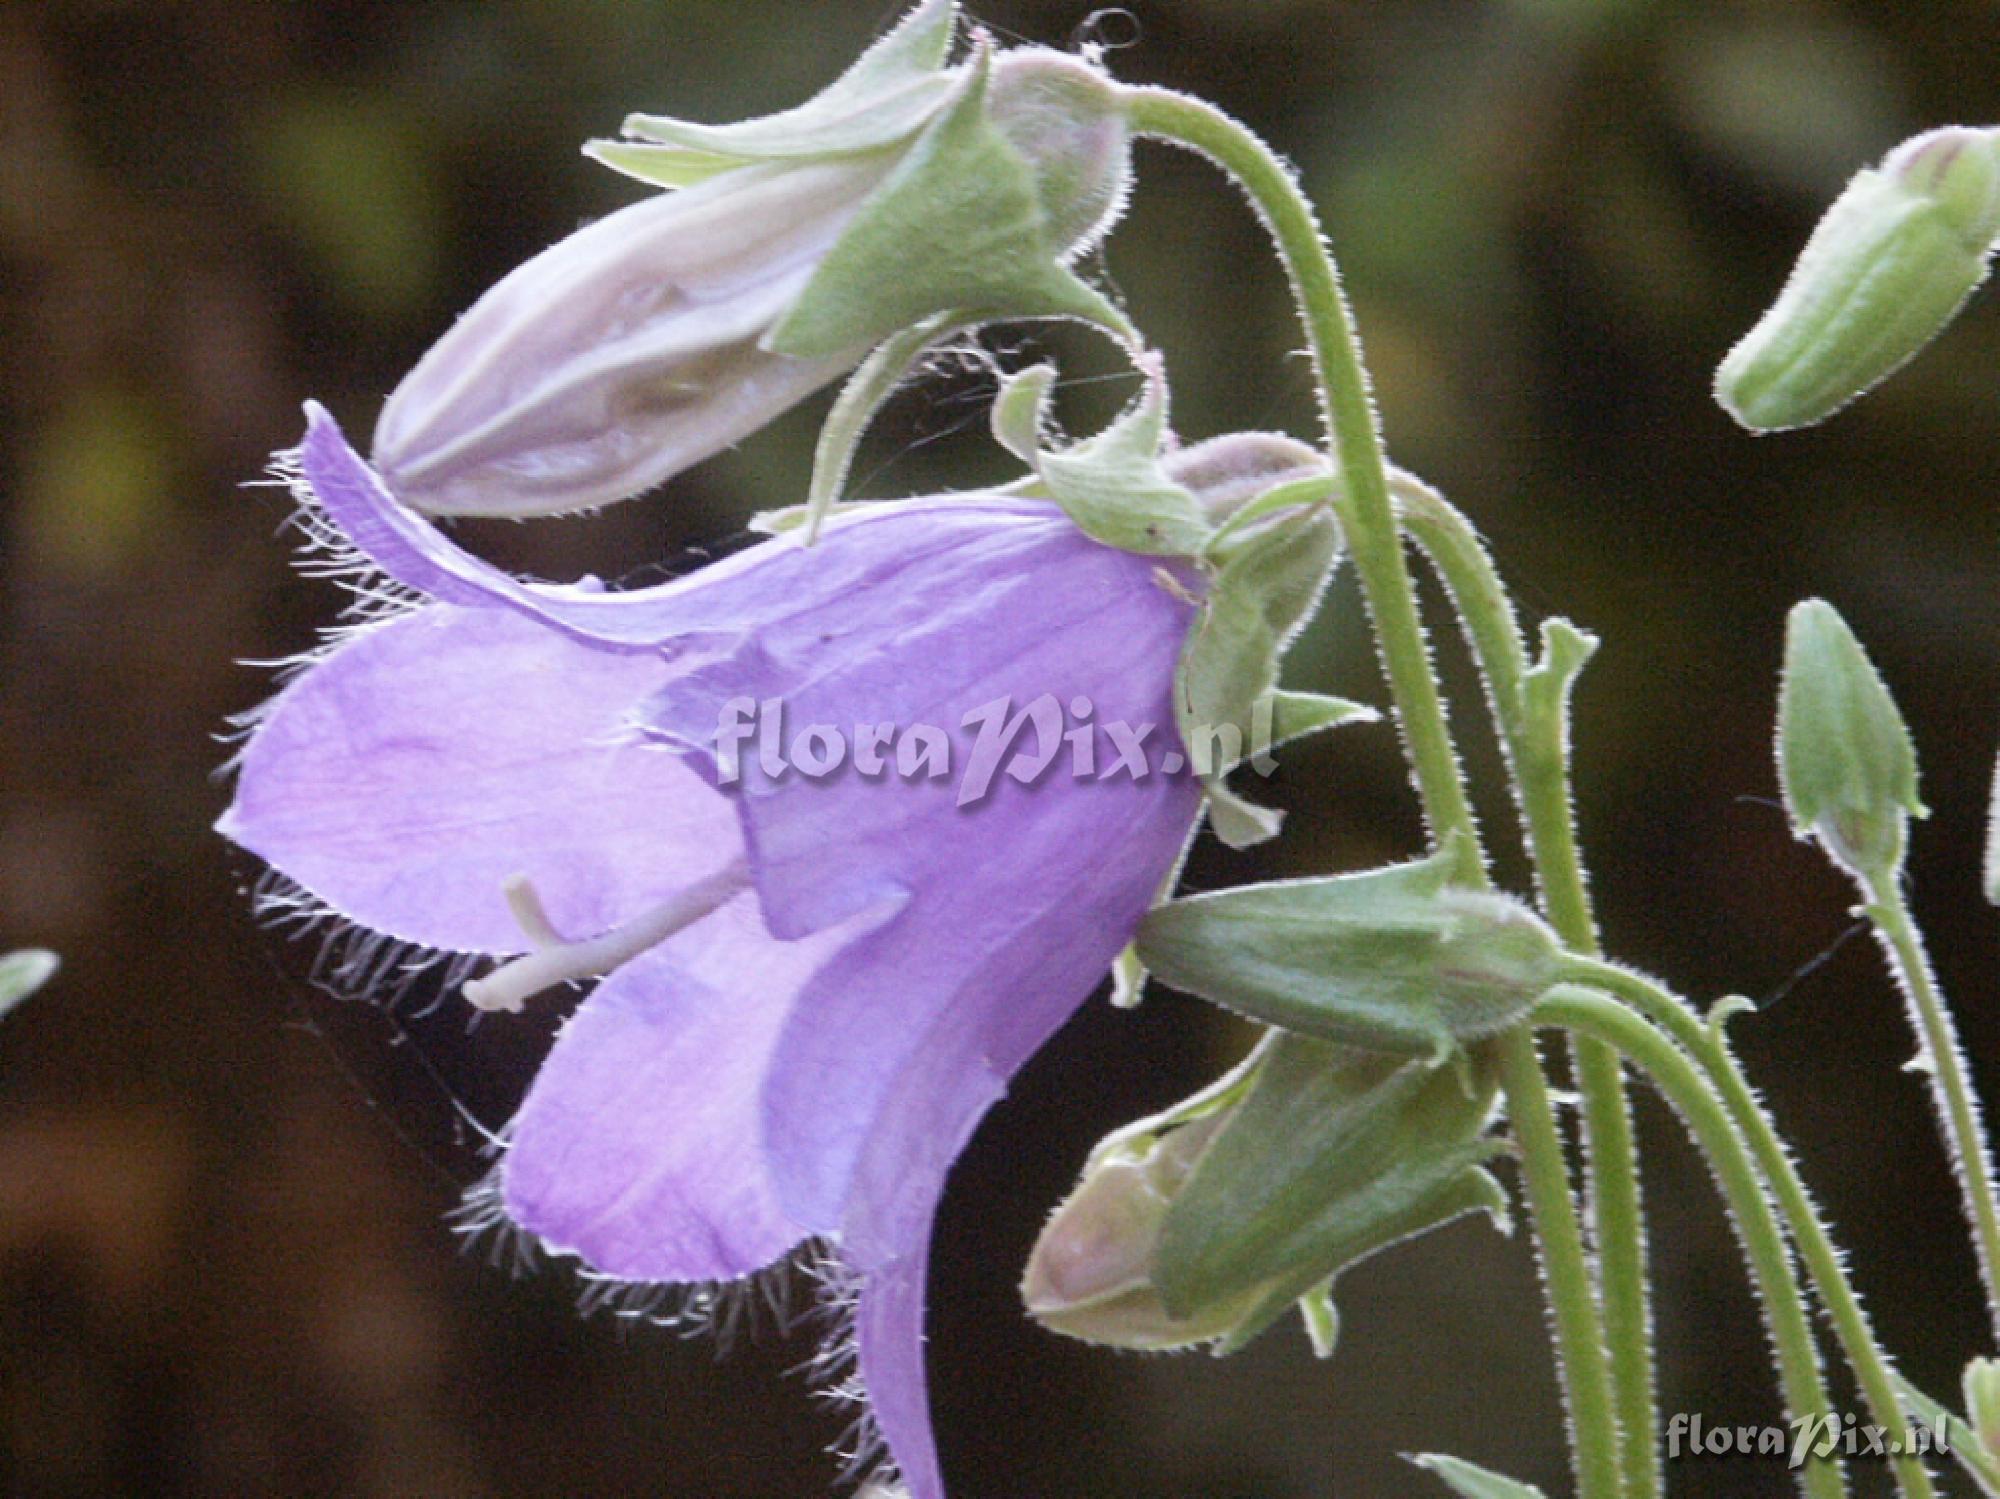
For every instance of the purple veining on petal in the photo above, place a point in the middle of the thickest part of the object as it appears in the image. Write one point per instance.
(1023, 606)
(1004, 1007)
(812, 1057)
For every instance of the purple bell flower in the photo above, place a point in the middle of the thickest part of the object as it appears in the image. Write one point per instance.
(813, 987)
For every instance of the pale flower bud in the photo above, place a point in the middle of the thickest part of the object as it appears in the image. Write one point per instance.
(1845, 758)
(1065, 117)
(906, 195)
(624, 354)
(1091, 1273)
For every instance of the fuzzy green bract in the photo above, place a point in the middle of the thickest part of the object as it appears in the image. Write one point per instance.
(1332, 1155)
(1395, 960)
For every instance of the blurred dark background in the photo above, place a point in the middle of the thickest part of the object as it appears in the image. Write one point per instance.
(224, 1266)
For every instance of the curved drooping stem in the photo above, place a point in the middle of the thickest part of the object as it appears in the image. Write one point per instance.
(1612, 1025)
(1375, 541)
(1703, 1042)
(1349, 414)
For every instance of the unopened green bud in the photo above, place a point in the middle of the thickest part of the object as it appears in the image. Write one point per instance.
(1888, 267)
(1208, 1224)
(1845, 759)
(1981, 1384)
(1333, 1155)
(1394, 960)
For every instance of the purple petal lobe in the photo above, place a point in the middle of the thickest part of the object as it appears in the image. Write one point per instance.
(1016, 995)
(638, 1147)
(429, 759)
(889, 1346)
(919, 619)
(718, 604)
(1024, 607)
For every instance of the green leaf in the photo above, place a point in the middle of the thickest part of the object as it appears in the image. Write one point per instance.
(958, 228)
(1469, 1481)
(1893, 261)
(888, 95)
(1391, 959)
(23, 972)
(1845, 758)
(1332, 1154)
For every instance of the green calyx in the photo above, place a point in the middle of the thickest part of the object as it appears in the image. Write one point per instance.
(1253, 525)
(893, 90)
(960, 227)
(1332, 1155)
(1114, 485)
(1210, 1221)
(1395, 960)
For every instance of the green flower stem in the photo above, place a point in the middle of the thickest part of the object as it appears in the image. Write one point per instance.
(1377, 546)
(1536, 747)
(1613, 1026)
(1349, 414)
(1565, 1269)
(1704, 1042)
(1958, 1109)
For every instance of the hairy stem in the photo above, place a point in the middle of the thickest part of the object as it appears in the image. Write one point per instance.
(1822, 1260)
(1356, 439)
(1958, 1109)
(1618, 1029)
(1375, 540)
(1530, 711)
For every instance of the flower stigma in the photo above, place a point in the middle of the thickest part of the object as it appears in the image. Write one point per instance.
(559, 961)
